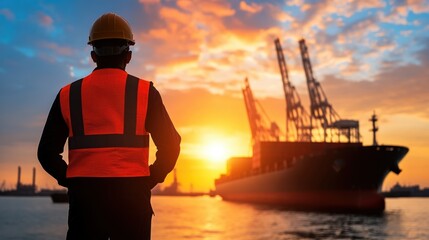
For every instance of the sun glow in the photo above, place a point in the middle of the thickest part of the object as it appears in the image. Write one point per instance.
(215, 152)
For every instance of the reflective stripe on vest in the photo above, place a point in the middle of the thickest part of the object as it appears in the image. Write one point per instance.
(107, 154)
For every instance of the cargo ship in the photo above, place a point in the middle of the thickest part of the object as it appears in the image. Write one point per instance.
(320, 165)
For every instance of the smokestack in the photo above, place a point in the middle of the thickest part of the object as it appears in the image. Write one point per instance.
(34, 177)
(18, 184)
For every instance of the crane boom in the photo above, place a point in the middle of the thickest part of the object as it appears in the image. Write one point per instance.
(252, 115)
(258, 126)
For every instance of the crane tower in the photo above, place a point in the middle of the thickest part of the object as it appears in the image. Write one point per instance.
(322, 114)
(297, 118)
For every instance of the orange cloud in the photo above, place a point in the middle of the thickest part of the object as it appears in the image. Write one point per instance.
(360, 5)
(282, 16)
(252, 8)
(199, 49)
(217, 8)
(397, 90)
(65, 51)
(172, 14)
(45, 20)
(398, 16)
(149, 1)
(319, 14)
(417, 6)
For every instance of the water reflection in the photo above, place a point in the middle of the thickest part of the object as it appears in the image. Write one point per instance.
(316, 225)
(217, 219)
(339, 226)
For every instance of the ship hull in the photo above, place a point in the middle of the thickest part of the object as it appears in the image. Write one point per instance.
(326, 201)
(335, 178)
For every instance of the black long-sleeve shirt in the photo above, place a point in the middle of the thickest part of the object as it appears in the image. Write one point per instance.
(158, 124)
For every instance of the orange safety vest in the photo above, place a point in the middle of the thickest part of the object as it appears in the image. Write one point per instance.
(106, 113)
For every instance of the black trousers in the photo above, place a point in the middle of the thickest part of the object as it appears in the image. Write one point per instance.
(109, 208)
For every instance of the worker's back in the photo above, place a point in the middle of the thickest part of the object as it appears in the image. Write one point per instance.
(107, 117)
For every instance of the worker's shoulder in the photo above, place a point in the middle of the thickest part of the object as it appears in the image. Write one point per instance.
(150, 83)
(142, 79)
(67, 86)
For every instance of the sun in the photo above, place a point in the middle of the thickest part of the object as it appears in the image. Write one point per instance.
(215, 152)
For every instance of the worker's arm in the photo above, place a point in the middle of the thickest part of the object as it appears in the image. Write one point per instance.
(52, 143)
(164, 135)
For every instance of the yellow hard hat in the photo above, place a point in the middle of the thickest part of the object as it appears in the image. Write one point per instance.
(111, 26)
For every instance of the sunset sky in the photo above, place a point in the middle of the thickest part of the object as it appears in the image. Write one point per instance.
(369, 55)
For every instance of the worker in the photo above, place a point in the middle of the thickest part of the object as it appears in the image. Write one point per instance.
(107, 118)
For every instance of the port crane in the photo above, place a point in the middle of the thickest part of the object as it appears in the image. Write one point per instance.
(321, 111)
(296, 116)
(258, 124)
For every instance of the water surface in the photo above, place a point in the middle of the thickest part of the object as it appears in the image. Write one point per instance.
(211, 218)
